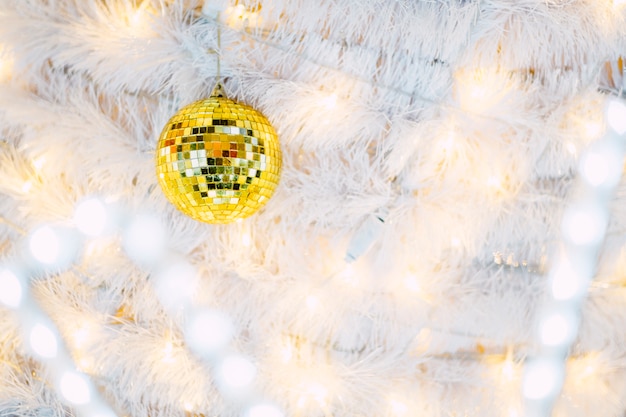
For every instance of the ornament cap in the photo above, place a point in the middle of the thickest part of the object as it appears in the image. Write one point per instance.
(218, 90)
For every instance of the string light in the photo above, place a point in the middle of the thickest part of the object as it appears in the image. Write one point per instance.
(582, 229)
(448, 141)
(593, 130)
(601, 166)
(52, 246)
(411, 284)
(138, 19)
(348, 275)
(542, 379)
(313, 390)
(144, 239)
(480, 89)
(566, 281)
(168, 350)
(43, 341)
(75, 388)
(27, 186)
(246, 240)
(312, 302)
(81, 336)
(90, 217)
(85, 364)
(286, 351)
(10, 289)
(558, 328)
(616, 116)
(508, 369)
(175, 284)
(209, 333)
(330, 102)
(325, 392)
(584, 224)
(45, 245)
(398, 408)
(494, 182)
(38, 163)
(236, 372)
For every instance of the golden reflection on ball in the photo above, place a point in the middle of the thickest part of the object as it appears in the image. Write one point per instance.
(218, 161)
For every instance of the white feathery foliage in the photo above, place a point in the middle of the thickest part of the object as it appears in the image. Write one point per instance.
(460, 122)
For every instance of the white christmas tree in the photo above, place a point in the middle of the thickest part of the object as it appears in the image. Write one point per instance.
(430, 152)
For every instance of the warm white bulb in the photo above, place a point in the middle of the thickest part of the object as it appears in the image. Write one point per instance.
(398, 408)
(616, 116)
(236, 372)
(209, 332)
(81, 336)
(447, 142)
(348, 275)
(176, 284)
(11, 290)
(494, 181)
(264, 410)
(26, 186)
(542, 379)
(330, 102)
(602, 166)
(45, 245)
(508, 369)
(584, 225)
(594, 169)
(90, 217)
(246, 240)
(557, 328)
(318, 392)
(145, 239)
(566, 282)
(168, 351)
(312, 302)
(75, 388)
(593, 130)
(38, 163)
(43, 341)
(411, 284)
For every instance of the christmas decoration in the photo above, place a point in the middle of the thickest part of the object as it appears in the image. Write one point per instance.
(217, 160)
(448, 238)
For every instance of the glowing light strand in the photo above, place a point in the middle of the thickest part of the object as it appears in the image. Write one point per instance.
(45, 344)
(583, 229)
(209, 332)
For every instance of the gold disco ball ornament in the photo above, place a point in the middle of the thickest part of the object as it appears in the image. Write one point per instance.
(218, 161)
